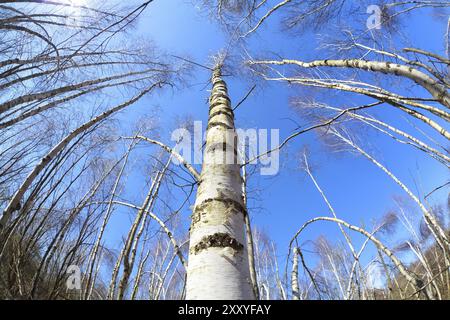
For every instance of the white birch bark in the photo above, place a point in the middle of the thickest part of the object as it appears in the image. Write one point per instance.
(218, 265)
(294, 277)
(437, 90)
(249, 235)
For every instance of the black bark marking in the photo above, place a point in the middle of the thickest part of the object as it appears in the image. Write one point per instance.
(227, 201)
(228, 113)
(225, 147)
(218, 124)
(219, 81)
(218, 240)
(225, 104)
(217, 95)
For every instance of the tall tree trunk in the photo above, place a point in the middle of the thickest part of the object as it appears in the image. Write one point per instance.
(218, 265)
(294, 277)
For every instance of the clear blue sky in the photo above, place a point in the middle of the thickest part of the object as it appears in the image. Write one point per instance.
(358, 190)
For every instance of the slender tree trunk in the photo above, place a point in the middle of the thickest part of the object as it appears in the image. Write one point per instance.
(283, 295)
(429, 219)
(218, 265)
(95, 250)
(14, 203)
(249, 236)
(294, 277)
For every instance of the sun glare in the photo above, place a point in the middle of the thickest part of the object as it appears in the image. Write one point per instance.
(75, 3)
(72, 7)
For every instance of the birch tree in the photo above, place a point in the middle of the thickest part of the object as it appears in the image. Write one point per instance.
(218, 262)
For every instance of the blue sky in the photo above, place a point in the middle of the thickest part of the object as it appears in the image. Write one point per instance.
(358, 190)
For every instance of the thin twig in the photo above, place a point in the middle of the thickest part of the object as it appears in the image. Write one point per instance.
(245, 97)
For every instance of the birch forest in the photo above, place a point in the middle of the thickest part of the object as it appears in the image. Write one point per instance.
(224, 150)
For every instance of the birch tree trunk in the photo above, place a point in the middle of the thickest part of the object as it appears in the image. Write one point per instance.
(218, 265)
(294, 277)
